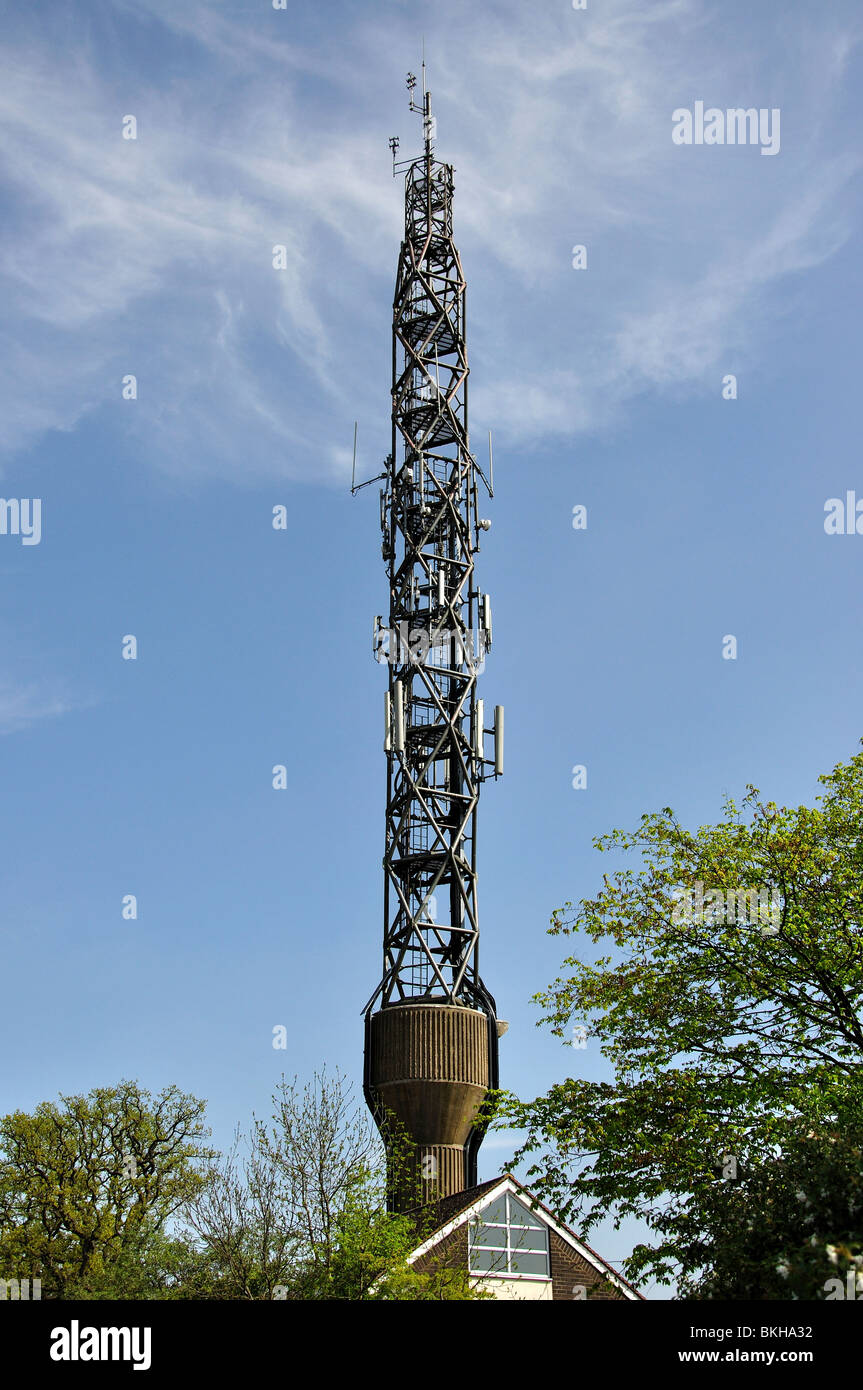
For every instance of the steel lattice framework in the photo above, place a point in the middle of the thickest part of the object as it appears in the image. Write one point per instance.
(439, 622)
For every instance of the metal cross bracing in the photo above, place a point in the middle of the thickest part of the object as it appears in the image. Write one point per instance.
(439, 621)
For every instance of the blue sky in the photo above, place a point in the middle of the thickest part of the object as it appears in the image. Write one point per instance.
(603, 387)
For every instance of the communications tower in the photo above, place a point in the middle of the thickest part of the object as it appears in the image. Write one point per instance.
(431, 1029)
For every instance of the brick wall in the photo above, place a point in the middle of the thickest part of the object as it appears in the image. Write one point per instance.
(451, 1252)
(568, 1268)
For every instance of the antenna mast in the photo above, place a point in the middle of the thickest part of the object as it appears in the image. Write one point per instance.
(431, 1001)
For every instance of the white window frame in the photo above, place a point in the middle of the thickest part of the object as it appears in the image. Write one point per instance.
(508, 1249)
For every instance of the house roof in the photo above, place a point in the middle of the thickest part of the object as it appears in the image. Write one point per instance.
(449, 1207)
(451, 1212)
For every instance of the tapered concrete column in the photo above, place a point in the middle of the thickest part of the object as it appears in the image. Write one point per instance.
(429, 1067)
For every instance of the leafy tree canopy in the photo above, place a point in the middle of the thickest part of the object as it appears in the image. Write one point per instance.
(116, 1195)
(87, 1186)
(732, 1024)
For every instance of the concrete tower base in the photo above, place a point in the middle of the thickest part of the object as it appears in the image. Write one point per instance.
(429, 1067)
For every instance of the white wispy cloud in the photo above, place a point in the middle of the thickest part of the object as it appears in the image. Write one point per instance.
(23, 705)
(154, 256)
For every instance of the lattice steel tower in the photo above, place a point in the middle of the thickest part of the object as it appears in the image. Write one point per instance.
(431, 1026)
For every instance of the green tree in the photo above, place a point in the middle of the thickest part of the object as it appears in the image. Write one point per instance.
(88, 1186)
(244, 1223)
(334, 1179)
(370, 1256)
(735, 1042)
(790, 1227)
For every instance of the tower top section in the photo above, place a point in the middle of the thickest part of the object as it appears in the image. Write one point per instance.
(423, 108)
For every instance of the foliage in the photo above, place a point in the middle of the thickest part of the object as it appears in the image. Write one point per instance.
(245, 1224)
(334, 1171)
(783, 1229)
(114, 1196)
(87, 1186)
(733, 1044)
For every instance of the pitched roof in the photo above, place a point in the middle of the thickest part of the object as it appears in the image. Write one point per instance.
(449, 1207)
(451, 1212)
